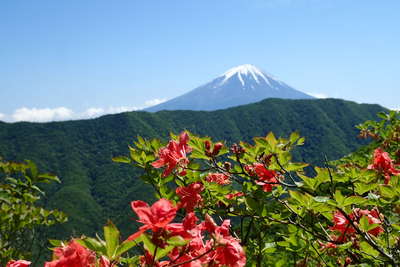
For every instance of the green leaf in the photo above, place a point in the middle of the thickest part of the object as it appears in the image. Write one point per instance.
(49, 177)
(125, 246)
(365, 247)
(55, 243)
(321, 199)
(177, 241)
(111, 234)
(361, 188)
(121, 159)
(271, 139)
(92, 244)
(356, 200)
(364, 223)
(339, 198)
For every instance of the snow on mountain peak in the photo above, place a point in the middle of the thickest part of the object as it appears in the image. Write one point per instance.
(245, 70)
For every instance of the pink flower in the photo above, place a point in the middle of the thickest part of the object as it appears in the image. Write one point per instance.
(267, 178)
(383, 164)
(18, 263)
(190, 196)
(72, 255)
(173, 155)
(155, 217)
(219, 178)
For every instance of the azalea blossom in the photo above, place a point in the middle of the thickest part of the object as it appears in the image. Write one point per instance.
(373, 217)
(267, 178)
(173, 155)
(72, 255)
(229, 252)
(346, 229)
(155, 217)
(219, 178)
(18, 263)
(190, 196)
(383, 164)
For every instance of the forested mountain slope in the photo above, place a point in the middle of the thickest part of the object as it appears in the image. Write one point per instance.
(94, 188)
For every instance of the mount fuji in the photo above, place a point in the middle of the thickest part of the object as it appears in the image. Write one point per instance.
(240, 85)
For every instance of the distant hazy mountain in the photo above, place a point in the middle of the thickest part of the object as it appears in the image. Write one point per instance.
(238, 86)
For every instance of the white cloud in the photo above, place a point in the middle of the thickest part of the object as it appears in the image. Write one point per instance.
(63, 113)
(94, 112)
(318, 95)
(42, 115)
(154, 102)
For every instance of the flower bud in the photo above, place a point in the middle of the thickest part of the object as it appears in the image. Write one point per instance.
(227, 165)
(217, 148)
(207, 145)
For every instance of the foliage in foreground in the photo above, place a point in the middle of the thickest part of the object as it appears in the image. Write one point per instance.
(346, 214)
(22, 220)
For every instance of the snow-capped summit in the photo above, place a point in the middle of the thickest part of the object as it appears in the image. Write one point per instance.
(245, 70)
(240, 85)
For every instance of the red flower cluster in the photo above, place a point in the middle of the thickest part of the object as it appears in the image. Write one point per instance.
(345, 228)
(18, 263)
(221, 250)
(173, 155)
(72, 255)
(267, 178)
(190, 196)
(219, 178)
(155, 217)
(383, 164)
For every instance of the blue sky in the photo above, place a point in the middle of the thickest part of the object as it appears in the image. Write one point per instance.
(75, 59)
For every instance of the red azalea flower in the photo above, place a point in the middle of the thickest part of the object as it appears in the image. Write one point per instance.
(267, 178)
(174, 154)
(190, 196)
(18, 263)
(342, 225)
(210, 226)
(148, 261)
(383, 164)
(155, 217)
(72, 255)
(219, 178)
(234, 195)
(373, 218)
(229, 252)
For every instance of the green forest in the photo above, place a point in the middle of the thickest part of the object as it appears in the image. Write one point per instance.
(93, 188)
